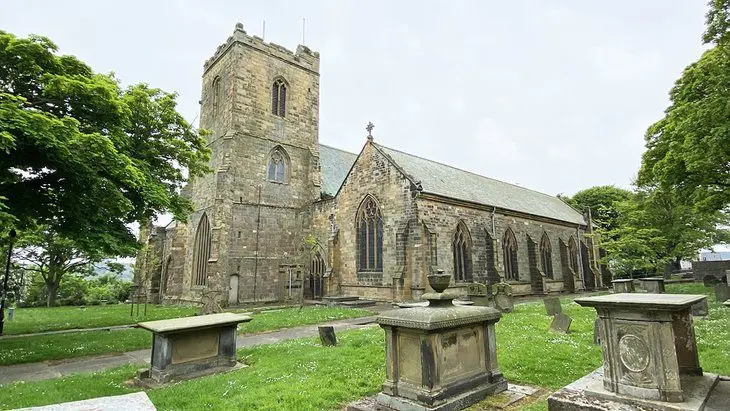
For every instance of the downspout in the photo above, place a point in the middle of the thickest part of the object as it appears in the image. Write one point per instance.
(580, 258)
(256, 258)
(494, 234)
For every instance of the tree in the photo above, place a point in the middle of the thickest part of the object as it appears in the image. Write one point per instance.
(85, 158)
(53, 257)
(601, 201)
(688, 151)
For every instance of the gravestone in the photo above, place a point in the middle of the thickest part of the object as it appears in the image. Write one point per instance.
(327, 335)
(710, 280)
(561, 323)
(623, 286)
(504, 303)
(654, 285)
(726, 303)
(597, 332)
(700, 309)
(722, 292)
(552, 305)
(478, 293)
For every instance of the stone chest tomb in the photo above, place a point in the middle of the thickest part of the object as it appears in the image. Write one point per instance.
(650, 357)
(189, 347)
(442, 356)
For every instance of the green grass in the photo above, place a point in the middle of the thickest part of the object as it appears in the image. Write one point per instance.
(294, 317)
(34, 320)
(21, 350)
(298, 374)
(302, 375)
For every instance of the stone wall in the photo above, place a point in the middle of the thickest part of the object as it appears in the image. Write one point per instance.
(717, 269)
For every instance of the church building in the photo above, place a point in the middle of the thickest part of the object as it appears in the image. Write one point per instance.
(284, 217)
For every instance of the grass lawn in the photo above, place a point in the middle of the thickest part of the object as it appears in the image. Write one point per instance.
(52, 347)
(302, 375)
(39, 319)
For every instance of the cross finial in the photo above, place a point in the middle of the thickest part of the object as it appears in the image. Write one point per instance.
(370, 128)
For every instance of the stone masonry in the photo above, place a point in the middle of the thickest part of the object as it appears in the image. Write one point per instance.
(263, 234)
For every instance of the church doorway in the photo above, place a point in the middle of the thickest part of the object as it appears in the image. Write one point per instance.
(314, 289)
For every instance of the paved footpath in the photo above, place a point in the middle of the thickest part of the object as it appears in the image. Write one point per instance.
(59, 368)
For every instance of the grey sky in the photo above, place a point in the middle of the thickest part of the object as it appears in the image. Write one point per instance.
(554, 96)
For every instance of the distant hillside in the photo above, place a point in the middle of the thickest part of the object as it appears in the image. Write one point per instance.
(127, 274)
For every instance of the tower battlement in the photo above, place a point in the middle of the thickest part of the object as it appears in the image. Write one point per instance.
(304, 57)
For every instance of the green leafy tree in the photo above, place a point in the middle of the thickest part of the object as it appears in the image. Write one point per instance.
(688, 151)
(602, 202)
(84, 157)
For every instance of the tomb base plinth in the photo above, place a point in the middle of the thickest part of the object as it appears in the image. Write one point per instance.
(589, 393)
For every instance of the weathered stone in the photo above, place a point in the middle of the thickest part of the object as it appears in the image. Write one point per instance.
(597, 331)
(327, 335)
(253, 230)
(653, 285)
(700, 308)
(561, 323)
(439, 357)
(722, 292)
(504, 303)
(623, 286)
(645, 330)
(552, 305)
(185, 347)
(138, 401)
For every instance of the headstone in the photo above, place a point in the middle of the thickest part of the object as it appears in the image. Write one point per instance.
(552, 305)
(138, 401)
(327, 335)
(726, 303)
(504, 303)
(561, 323)
(478, 293)
(722, 292)
(710, 280)
(700, 309)
(596, 332)
(11, 313)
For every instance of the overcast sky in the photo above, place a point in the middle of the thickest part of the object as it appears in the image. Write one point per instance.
(552, 95)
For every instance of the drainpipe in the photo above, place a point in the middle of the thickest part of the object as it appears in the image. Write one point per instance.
(256, 258)
(580, 258)
(493, 232)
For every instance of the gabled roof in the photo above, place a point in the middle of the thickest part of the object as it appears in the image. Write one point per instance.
(334, 165)
(447, 181)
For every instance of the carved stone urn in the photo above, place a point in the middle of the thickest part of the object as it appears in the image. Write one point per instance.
(441, 356)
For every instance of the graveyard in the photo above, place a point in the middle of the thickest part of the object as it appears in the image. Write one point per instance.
(303, 374)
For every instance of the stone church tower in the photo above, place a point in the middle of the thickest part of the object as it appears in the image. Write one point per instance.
(283, 217)
(260, 103)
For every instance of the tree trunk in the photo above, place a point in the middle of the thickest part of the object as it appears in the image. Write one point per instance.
(51, 293)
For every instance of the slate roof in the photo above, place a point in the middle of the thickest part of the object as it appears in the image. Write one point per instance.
(448, 181)
(334, 165)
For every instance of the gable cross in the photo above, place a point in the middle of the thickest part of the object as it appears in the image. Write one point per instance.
(370, 128)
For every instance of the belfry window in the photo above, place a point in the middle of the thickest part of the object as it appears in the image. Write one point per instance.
(462, 254)
(370, 237)
(277, 167)
(510, 256)
(216, 93)
(278, 98)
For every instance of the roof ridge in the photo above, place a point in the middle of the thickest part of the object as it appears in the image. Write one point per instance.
(467, 171)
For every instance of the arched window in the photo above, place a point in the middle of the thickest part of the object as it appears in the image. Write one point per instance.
(201, 251)
(370, 236)
(278, 98)
(461, 247)
(546, 256)
(509, 248)
(216, 92)
(277, 170)
(572, 255)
